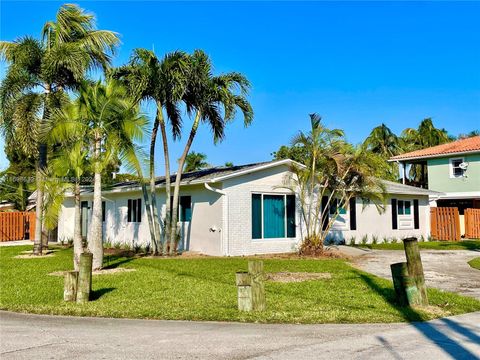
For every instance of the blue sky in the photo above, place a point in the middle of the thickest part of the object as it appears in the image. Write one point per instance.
(356, 64)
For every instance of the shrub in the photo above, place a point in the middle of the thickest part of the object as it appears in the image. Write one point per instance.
(394, 240)
(117, 245)
(137, 248)
(374, 239)
(352, 241)
(385, 240)
(364, 239)
(422, 239)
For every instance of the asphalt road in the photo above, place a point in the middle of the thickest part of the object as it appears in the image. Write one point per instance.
(25, 336)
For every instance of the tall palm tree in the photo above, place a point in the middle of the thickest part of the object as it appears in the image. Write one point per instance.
(425, 136)
(110, 124)
(195, 161)
(383, 142)
(161, 81)
(205, 97)
(40, 72)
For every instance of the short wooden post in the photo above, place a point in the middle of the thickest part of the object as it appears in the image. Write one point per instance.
(244, 291)
(415, 267)
(255, 269)
(70, 286)
(84, 278)
(404, 284)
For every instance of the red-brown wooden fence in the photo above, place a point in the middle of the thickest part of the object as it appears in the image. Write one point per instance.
(445, 223)
(472, 223)
(17, 225)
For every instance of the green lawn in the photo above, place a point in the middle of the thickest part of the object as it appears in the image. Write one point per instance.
(475, 263)
(431, 245)
(204, 289)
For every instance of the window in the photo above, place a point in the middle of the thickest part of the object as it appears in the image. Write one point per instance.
(334, 205)
(103, 211)
(455, 169)
(134, 210)
(404, 207)
(273, 216)
(185, 208)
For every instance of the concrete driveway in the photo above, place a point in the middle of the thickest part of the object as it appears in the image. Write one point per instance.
(46, 337)
(445, 270)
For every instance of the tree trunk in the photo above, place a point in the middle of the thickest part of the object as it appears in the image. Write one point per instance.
(77, 230)
(95, 243)
(42, 165)
(153, 194)
(146, 199)
(84, 286)
(178, 178)
(168, 210)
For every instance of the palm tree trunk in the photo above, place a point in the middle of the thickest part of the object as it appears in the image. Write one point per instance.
(77, 230)
(153, 194)
(146, 199)
(95, 242)
(178, 178)
(42, 165)
(168, 186)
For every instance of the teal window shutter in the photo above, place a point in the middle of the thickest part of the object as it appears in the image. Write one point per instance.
(273, 216)
(291, 226)
(256, 216)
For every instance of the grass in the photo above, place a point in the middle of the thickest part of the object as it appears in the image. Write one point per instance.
(431, 245)
(204, 289)
(475, 263)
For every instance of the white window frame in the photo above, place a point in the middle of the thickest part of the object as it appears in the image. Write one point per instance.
(401, 218)
(285, 214)
(451, 167)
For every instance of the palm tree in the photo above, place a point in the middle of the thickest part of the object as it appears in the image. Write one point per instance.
(425, 136)
(195, 161)
(110, 123)
(40, 72)
(205, 96)
(69, 162)
(162, 82)
(383, 142)
(334, 171)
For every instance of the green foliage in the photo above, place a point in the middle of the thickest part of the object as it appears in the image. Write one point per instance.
(385, 240)
(195, 161)
(229, 164)
(204, 289)
(394, 240)
(374, 239)
(352, 241)
(364, 240)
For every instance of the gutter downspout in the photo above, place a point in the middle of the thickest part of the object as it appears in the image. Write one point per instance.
(225, 238)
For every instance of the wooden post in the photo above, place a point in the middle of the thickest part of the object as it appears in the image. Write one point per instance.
(244, 291)
(70, 286)
(404, 284)
(255, 269)
(415, 268)
(84, 278)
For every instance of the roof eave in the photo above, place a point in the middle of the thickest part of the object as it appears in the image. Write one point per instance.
(394, 159)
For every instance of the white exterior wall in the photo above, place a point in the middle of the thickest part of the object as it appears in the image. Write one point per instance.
(239, 192)
(202, 234)
(371, 223)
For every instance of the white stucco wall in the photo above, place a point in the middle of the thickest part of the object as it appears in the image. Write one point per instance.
(239, 191)
(371, 223)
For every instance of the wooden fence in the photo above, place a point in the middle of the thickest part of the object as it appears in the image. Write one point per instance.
(472, 223)
(17, 225)
(445, 223)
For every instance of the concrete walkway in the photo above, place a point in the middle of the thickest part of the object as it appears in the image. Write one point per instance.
(16, 243)
(47, 337)
(446, 270)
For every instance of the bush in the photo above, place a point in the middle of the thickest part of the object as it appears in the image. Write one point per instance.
(374, 239)
(364, 239)
(385, 240)
(352, 241)
(394, 240)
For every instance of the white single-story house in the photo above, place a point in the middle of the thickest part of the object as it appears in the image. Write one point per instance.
(243, 210)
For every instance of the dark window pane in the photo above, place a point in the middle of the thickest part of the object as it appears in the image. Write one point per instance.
(408, 210)
(400, 207)
(256, 216)
(185, 208)
(103, 211)
(291, 226)
(139, 210)
(129, 212)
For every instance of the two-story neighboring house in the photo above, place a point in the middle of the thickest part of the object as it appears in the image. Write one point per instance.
(452, 169)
